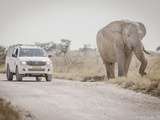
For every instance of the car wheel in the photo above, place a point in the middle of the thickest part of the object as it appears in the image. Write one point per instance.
(48, 77)
(9, 74)
(18, 76)
(38, 79)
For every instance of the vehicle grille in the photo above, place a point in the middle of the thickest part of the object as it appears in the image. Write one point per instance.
(36, 63)
(36, 69)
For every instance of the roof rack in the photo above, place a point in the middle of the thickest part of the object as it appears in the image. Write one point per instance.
(21, 45)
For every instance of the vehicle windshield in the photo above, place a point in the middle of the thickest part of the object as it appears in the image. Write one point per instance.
(32, 52)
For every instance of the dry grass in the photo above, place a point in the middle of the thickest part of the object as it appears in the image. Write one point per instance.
(139, 84)
(154, 68)
(82, 67)
(8, 112)
(90, 67)
(149, 84)
(2, 69)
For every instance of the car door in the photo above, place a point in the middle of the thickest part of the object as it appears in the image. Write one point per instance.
(14, 60)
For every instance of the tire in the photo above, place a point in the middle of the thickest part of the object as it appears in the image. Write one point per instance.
(18, 76)
(48, 77)
(38, 79)
(9, 74)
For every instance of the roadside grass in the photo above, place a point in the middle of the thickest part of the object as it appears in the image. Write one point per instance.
(139, 84)
(90, 68)
(154, 68)
(8, 112)
(82, 67)
(2, 69)
(78, 72)
(149, 84)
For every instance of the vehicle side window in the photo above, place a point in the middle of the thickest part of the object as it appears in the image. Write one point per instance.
(15, 53)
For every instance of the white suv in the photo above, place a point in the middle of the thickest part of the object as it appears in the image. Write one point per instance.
(28, 61)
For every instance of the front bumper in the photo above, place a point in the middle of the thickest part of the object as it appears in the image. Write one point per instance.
(35, 70)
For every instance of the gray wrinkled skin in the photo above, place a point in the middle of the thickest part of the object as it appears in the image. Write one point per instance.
(117, 41)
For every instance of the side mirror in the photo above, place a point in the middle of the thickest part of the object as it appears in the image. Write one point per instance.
(49, 56)
(13, 55)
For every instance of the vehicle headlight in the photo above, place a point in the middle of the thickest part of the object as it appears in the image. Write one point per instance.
(23, 62)
(49, 63)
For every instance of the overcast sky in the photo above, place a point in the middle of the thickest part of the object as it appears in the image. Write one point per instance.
(29, 21)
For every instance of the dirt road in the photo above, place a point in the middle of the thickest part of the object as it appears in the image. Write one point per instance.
(69, 100)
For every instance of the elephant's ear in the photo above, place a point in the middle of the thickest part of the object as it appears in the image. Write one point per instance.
(142, 29)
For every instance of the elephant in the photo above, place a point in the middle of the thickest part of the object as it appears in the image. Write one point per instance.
(117, 42)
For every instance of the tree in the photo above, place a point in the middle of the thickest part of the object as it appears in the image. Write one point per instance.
(49, 46)
(57, 48)
(85, 48)
(2, 54)
(64, 48)
(60, 48)
(65, 45)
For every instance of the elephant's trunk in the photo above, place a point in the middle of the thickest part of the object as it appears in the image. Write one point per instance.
(141, 57)
(143, 67)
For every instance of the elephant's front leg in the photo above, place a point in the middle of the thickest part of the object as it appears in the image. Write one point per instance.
(107, 70)
(128, 57)
(121, 63)
(112, 70)
(110, 67)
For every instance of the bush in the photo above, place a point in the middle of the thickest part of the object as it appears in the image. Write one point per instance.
(8, 112)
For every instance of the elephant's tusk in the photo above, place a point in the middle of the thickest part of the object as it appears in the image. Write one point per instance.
(145, 51)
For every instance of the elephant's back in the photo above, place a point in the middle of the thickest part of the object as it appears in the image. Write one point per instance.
(115, 26)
